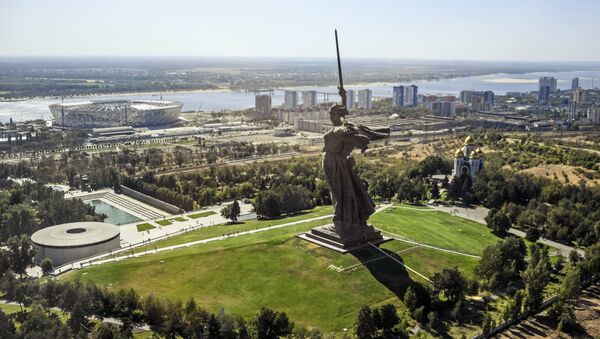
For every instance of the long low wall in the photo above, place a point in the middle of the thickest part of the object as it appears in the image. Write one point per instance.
(150, 200)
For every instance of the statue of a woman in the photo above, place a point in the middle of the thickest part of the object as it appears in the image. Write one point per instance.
(349, 195)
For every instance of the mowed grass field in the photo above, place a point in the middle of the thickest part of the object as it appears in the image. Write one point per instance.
(277, 270)
(219, 230)
(435, 228)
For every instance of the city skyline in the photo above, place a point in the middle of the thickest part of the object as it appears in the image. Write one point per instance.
(462, 30)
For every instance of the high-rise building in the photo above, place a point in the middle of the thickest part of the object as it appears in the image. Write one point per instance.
(309, 99)
(543, 94)
(574, 83)
(442, 108)
(364, 98)
(488, 97)
(478, 100)
(579, 96)
(263, 106)
(594, 115)
(410, 95)
(291, 100)
(349, 99)
(550, 82)
(398, 96)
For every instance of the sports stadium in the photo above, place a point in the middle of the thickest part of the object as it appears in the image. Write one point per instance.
(114, 113)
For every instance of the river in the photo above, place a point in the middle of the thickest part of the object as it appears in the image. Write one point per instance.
(500, 83)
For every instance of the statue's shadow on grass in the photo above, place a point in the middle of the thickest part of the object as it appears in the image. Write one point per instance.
(388, 272)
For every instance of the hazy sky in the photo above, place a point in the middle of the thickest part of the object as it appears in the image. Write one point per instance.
(445, 29)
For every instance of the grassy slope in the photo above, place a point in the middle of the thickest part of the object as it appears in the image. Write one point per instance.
(275, 269)
(436, 228)
(218, 230)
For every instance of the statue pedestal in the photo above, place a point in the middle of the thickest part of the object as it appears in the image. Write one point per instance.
(326, 237)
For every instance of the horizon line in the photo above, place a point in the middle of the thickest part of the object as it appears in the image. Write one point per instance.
(141, 56)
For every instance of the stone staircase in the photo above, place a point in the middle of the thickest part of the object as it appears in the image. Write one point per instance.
(119, 201)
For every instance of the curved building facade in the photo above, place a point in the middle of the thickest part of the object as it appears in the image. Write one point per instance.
(70, 242)
(114, 113)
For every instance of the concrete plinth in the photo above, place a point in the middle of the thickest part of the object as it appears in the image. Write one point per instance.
(326, 237)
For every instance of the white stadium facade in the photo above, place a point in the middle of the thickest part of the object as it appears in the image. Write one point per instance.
(115, 113)
(70, 242)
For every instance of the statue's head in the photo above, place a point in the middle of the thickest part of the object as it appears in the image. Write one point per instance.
(337, 112)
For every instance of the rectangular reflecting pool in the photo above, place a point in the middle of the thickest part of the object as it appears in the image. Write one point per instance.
(114, 215)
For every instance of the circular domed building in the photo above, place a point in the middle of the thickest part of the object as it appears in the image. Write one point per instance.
(70, 242)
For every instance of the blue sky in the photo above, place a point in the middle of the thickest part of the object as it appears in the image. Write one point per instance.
(525, 30)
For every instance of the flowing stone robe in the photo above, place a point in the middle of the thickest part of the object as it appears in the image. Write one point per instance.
(352, 205)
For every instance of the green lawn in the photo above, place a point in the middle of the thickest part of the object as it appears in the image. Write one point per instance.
(164, 222)
(201, 214)
(277, 270)
(436, 228)
(218, 230)
(178, 219)
(144, 227)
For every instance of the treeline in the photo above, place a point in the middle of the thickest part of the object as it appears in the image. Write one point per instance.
(217, 184)
(282, 199)
(171, 319)
(182, 201)
(409, 181)
(28, 207)
(41, 140)
(566, 213)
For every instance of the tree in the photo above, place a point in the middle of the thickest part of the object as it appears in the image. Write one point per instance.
(497, 221)
(104, 330)
(365, 325)
(7, 327)
(38, 324)
(451, 282)
(532, 234)
(574, 257)
(513, 307)
(432, 319)
(267, 205)
(570, 288)
(410, 299)
(269, 324)
(20, 253)
(435, 191)
(231, 211)
(488, 324)
(535, 277)
(389, 321)
(502, 263)
(47, 266)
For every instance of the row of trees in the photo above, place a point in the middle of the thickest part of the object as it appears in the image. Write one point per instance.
(282, 199)
(182, 201)
(171, 319)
